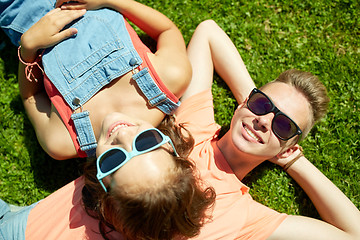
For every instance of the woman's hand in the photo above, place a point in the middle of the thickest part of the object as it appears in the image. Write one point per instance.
(48, 31)
(81, 4)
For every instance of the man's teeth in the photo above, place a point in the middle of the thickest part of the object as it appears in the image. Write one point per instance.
(252, 134)
(117, 127)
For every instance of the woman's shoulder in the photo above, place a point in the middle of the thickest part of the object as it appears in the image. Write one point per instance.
(175, 73)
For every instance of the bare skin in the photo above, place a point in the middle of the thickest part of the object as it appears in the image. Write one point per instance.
(141, 172)
(122, 95)
(251, 141)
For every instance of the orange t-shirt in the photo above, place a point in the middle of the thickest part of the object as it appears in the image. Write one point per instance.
(61, 216)
(235, 215)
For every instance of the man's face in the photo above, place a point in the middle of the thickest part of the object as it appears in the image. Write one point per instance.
(253, 134)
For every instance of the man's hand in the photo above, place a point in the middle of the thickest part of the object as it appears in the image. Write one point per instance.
(282, 160)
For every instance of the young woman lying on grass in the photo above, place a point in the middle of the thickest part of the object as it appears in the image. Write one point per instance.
(102, 67)
(140, 186)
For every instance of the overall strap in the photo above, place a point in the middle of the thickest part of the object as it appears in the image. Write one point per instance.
(154, 95)
(85, 132)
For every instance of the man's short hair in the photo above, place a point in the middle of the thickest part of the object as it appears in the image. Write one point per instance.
(313, 90)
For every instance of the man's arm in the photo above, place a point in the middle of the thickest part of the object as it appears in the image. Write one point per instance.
(340, 216)
(211, 48)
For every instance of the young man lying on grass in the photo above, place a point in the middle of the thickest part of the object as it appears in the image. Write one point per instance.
(267, 125)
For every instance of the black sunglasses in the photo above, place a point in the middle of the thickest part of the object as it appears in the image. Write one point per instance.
(114, 158)
(282, 126)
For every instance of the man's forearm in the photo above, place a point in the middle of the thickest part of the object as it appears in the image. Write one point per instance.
(333, 206)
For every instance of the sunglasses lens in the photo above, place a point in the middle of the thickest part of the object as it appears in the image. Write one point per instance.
(147, 140)
(259, 104)
(111, 159)
(284, 127)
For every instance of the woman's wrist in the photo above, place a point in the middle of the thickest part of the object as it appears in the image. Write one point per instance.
(27, 54)
(28, 51)
(30, 63)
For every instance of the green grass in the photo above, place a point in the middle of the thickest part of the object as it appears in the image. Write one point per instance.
(317, 36)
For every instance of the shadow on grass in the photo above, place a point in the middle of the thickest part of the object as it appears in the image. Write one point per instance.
(305, 206)
(49, 174)
(9, 54)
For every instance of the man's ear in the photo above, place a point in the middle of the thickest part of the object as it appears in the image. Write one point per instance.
(288, 152)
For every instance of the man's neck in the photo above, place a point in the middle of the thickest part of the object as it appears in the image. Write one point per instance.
(241, 163)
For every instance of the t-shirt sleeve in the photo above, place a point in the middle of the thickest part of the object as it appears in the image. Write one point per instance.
(197, 115)
(262, 221)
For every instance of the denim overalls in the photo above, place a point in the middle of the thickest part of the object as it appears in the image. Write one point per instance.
(80, 66)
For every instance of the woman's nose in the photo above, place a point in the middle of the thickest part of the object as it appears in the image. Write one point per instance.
(124, 138)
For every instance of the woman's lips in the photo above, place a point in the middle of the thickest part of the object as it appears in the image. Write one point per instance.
(116, 126)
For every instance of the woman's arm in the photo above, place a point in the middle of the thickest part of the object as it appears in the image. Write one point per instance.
(209, 48)
(45, 33)
(341, 216)
(171, 49)
(151, 21)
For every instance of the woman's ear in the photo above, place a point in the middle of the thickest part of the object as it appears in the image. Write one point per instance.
(288, 152)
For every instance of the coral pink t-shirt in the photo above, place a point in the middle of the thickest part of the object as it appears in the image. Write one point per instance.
(61, 216)
(235, 215)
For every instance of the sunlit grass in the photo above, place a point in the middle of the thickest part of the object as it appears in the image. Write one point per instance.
(317, 36)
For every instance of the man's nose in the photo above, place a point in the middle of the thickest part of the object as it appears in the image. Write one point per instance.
(263, 122)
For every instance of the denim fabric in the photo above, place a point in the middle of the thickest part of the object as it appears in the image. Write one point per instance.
(85, 133)
(17, 16)
(101, 51)
(80, 66)
(13, 224)
(100, 59)
(154, 95)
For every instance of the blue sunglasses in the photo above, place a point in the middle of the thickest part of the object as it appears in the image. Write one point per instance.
(114, 158)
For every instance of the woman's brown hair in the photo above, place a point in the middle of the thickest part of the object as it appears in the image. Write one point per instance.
(177, 208)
